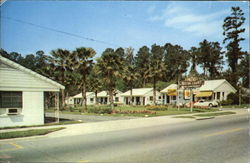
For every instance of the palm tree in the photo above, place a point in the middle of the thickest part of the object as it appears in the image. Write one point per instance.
(95, 81)
(129, 73)
(110, 66)
(82, 58)
(157, 67)
(193, 57)
(59, 67)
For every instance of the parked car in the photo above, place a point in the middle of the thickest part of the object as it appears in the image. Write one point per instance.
(203, 103)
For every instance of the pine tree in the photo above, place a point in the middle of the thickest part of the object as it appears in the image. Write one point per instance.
(232, 29)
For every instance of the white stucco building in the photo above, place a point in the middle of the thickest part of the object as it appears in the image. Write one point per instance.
(103, 97)
(217, 90)
(22, 94)
(169, 94)
(77, 99)
(141, 96)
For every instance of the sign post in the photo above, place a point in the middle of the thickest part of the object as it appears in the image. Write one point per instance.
(191, 83)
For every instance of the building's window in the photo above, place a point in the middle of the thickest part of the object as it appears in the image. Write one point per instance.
(174, 97)
(11, 99)
(117, 99)
(223, 94)
(218, 95)
(151, 98)
(159, 97)
(91, 99)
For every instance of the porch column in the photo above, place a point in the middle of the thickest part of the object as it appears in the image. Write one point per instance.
(165, 101)
(57, 107)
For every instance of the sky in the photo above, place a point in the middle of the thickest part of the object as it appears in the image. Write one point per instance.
(113, 24)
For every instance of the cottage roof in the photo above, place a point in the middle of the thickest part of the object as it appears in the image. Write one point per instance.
(211, 85)
(171, 86)
(28, 71)
(80, 95)
(138, 92)
(106, 93)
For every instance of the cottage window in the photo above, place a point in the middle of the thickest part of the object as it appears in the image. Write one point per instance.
(159, 97)
(117, 99)
(151, 98)
(91, 99)
(11, 99)
(174, 97)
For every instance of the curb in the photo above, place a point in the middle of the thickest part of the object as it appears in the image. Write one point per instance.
(204, 118)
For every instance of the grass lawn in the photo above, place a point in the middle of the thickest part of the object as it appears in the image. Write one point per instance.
(124, 110)
(237, 106)
(215, 114)
(62, 122)
(35, 132)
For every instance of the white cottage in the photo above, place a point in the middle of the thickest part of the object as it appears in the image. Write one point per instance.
(77, 99)
(22, 94)
(103, 97)
(141, 96)
(217, 90)
(169, 94)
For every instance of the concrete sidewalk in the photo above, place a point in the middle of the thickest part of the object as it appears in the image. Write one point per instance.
(115, 125)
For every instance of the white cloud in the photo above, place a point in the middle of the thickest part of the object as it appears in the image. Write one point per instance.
(186, 20)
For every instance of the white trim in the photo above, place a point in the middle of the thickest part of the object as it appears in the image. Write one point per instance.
(18, 66)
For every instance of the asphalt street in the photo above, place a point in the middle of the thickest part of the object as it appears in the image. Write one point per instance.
(223, 139)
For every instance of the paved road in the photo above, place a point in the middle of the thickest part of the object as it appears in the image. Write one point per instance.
(224, 139)
(89, 118)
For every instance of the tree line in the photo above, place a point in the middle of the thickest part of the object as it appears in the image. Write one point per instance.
(155, 66)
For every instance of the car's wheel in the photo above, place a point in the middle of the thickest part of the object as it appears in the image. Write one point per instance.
(210, 105)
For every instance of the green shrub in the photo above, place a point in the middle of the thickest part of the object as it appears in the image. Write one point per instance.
(234, 98)
(226, 102)
(133, 112)
(99, 110)
(71, 109)
(157, 108)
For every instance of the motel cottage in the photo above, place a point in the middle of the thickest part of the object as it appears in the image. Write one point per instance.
(22, 94)
(141, 96)
(169, 94)
(77, 99)
(217, 90)
(103, 97)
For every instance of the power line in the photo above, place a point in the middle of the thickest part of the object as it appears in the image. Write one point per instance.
(59, 31)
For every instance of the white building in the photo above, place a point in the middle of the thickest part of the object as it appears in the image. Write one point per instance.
(141, 96)
(77, 99)
(169, 94)
(217, 90)
(22, 94)
(103, 97)
(211, 90)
